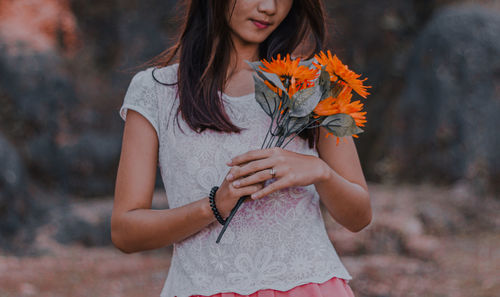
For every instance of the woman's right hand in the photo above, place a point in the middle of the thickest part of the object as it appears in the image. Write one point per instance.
(227, 195)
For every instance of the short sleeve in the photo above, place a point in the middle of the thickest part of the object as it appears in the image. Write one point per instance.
(142, 96)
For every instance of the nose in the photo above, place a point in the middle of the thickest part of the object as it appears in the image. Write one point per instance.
(267, 7)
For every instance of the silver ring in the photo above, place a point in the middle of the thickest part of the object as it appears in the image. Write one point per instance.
(273, 173)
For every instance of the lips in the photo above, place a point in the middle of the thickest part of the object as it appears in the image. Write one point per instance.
(260, 24)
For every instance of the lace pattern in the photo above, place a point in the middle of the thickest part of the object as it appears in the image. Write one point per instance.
(276, 242)
(142, 97)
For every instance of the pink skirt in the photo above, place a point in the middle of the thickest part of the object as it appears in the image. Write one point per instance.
(334, 287)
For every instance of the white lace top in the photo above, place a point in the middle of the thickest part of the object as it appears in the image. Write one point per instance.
(277, 242)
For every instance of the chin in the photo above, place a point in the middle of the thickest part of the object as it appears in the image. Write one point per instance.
(250, 37)
(255, 39)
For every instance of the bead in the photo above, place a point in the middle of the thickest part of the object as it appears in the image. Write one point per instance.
(214, 208)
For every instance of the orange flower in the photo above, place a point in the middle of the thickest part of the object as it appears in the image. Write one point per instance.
(298, 76)
(341, 104)
(300, 85)
(340, 71)
(273, 88)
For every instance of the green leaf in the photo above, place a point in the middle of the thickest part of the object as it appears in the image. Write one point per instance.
(358, 130)
(255, 66)
(324, 83)
(304, 101)
(275, 80)
(295, 124)
(341, 125)
(267, 99)
(335, 89)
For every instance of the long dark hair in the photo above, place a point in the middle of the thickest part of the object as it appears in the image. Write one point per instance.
(204, 44)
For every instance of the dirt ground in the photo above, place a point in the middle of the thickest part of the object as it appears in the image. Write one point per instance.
(418, 259)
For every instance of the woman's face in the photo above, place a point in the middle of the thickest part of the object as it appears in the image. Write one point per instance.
(246, 14)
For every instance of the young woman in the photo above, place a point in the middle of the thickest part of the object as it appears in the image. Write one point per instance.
(276, 244)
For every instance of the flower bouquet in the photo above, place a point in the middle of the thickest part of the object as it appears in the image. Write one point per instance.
(300, 95)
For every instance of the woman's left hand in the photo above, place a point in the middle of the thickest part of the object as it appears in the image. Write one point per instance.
(291, 169)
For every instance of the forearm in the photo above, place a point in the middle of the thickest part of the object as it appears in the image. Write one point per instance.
(146, 229)
(348, 203)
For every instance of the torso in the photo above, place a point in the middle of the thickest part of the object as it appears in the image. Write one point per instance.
(276, 242)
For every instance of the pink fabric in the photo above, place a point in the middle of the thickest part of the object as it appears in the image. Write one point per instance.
(334, 287)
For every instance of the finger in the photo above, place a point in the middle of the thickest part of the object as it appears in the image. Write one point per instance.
(251, 155)
(254, 188)
(251, 168)
(272, 187)
(258, 177)
(247, 191)
(231, 173)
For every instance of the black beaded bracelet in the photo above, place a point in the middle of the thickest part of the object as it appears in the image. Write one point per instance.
(211, 198)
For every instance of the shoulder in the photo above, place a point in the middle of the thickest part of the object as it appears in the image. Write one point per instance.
(164, 75)
(154, 76)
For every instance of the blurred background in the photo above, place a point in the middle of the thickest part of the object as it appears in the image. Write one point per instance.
(430, 151)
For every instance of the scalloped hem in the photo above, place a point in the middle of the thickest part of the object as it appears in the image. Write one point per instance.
(335, 286)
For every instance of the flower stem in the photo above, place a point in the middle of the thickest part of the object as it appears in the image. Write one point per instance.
(279, 118)
(297, 133)
(231, 215)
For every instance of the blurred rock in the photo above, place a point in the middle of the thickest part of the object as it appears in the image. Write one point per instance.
(12, 172)
(20, 213)
(44, 116)
(458, 211)
(77, 230)
(39, 99)
(382, 239)
(84, 165)
(83, 222)
(410, 221)
(422, 246)
(400, 234)
(60, 97)
(441, 221)
(447, 113)
(376, 41)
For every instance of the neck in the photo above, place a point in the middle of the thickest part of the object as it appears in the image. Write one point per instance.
(243, 51)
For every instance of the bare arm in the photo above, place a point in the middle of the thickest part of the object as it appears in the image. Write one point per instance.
(134, 225)
(343, 189)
